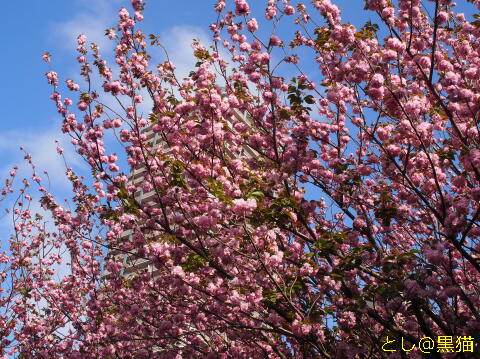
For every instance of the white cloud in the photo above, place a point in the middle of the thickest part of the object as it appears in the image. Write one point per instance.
(42, 147)
(177, 42)
(92, 19)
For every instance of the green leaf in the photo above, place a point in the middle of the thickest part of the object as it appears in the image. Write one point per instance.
(194, 262)
(340, 168)
(368, 31)
(309, 99)
(258, 195)
(336, 275)
(178, 178)
(476, 23)
(323, 35)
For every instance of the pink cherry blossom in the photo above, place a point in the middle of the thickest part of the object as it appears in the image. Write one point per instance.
(302, 191)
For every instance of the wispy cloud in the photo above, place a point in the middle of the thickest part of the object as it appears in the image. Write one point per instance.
(93, 17)
(177, 41)
(42, 148)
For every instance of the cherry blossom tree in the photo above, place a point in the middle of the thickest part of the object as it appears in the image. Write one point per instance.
(311, 217)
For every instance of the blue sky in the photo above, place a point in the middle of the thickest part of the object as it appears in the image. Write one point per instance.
(40, 26)
(28, 116)
(52, 26)
(30, 27)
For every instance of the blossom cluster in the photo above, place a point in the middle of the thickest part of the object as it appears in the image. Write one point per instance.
(207, 245)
